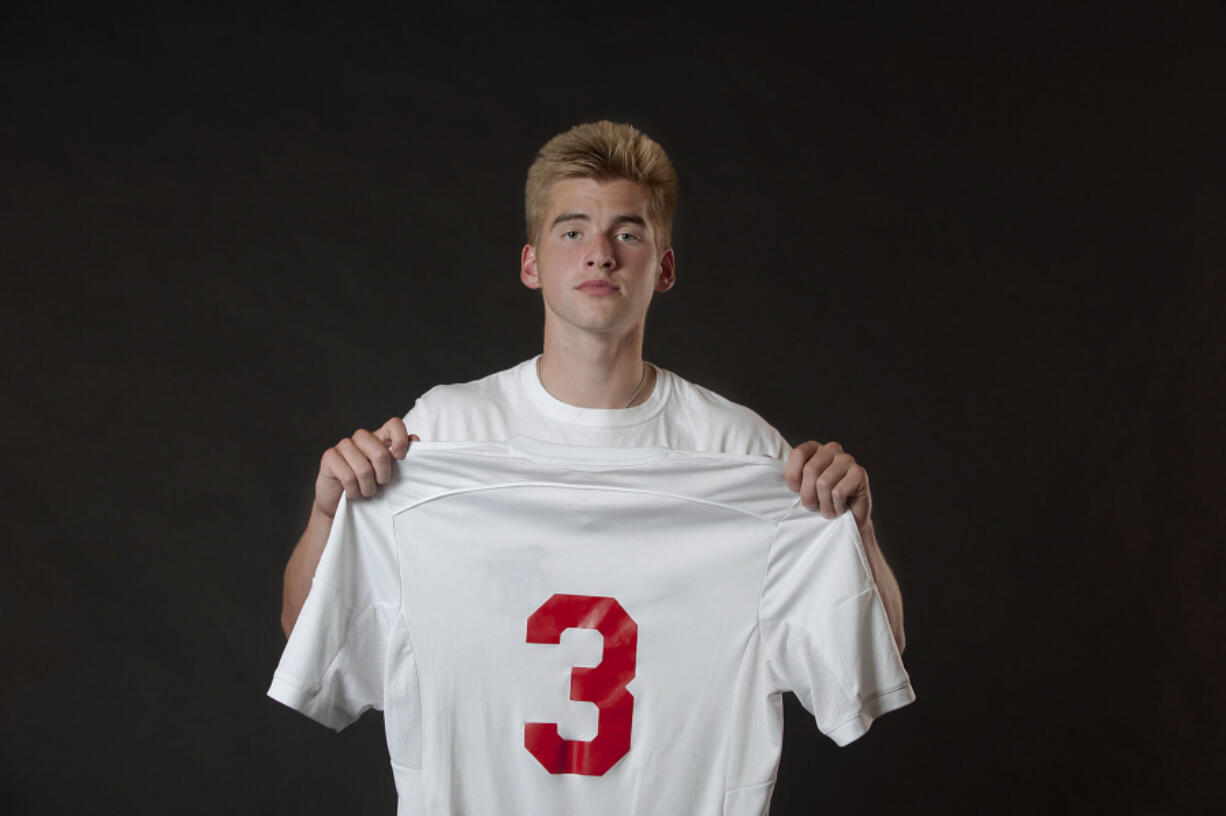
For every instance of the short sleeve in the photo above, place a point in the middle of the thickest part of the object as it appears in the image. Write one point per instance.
(332, 669)
(419, 421)
(825, 630)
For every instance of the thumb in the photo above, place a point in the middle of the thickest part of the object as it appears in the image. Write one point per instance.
(400, 446)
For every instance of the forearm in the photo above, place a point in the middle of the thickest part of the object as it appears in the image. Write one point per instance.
(300, 571)
(887, 584)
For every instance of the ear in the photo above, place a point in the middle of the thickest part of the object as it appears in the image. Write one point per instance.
(527, 267)
(667, 275)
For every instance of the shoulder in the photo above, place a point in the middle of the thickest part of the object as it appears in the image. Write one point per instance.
(468, 409)
(692, 397)
(731, 426)
(497, 386)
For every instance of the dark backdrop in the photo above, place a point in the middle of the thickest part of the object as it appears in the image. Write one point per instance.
(982, 249)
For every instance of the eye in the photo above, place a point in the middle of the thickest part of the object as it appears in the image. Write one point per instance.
(627, 236)
(570, 235)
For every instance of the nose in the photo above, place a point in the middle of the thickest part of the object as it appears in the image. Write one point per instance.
(600, 254)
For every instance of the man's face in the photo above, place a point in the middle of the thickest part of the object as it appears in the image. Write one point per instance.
(596, 261)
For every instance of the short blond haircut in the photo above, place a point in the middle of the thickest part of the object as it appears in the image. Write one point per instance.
(603, 151)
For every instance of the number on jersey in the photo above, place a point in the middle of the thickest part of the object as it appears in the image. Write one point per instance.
(603, 684)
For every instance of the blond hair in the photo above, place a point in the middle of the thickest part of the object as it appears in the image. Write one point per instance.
(603, 151)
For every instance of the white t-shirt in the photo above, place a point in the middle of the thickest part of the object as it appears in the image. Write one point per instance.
(554, 629)
(678, 414)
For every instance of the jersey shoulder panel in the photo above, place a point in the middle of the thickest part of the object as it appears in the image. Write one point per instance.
(745, 483)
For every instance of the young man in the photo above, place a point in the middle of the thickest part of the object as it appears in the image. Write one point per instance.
(599, 202)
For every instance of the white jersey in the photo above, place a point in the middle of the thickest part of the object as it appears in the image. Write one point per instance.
(553, 629)
(677, 414)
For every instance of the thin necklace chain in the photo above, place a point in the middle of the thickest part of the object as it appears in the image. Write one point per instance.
(642, 380)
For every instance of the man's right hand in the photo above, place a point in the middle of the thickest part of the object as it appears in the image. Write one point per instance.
(355, 466)
(358, 464)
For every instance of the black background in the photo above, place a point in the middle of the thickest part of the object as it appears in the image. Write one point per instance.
(983, 249)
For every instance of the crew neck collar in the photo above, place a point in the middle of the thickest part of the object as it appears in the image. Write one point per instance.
(595, 417)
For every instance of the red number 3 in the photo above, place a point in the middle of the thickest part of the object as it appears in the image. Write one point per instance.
(604, 684)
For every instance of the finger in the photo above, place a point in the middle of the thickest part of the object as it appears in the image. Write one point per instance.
(360, 465)
(855, 494)
(328, 487)
(813, 470)
(394, 435)
(335, 468)
(824, 485)
(373, 449)
(793, 470)
(836, 481)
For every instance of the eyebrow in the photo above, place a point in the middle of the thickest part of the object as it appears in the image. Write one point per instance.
(578, 216)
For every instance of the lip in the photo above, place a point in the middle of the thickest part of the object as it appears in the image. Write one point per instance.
(598, 286)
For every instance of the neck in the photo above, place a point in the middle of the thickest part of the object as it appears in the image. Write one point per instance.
(590, 373)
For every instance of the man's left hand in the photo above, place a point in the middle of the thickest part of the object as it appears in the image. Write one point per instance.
(829, 480)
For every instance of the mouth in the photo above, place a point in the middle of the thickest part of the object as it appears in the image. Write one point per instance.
(597, 286)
